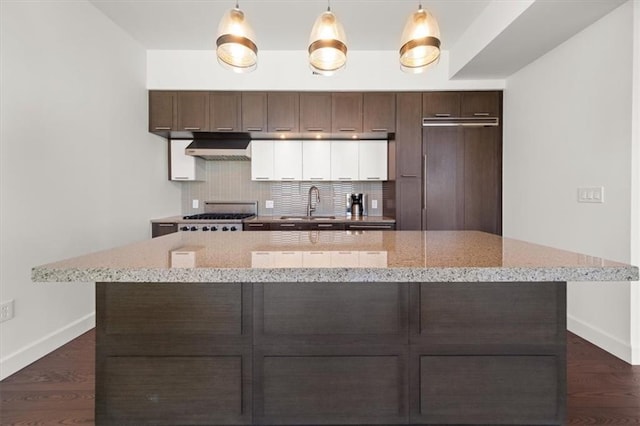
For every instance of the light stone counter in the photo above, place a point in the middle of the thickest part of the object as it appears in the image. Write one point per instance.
(334, 256)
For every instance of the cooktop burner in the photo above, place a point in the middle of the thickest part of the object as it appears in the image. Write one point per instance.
(219, 216)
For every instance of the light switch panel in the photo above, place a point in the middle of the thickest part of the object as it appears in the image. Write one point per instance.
(268, 204)
(195, 204)
(591, 194)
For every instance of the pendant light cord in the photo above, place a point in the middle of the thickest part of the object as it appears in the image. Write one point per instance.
(328, 5)
(237, 7)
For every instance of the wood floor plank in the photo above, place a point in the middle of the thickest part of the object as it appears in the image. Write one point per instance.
(59, 388)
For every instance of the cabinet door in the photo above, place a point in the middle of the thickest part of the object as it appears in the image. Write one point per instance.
(160, 229)
(287, 160)
(283, 110)
(315, 112)
(344, 160)
(193, 110)
(162, 111)
(409, 203)
(480, 104)
(482, 186)
(262, 160)
(346, 112)
(254, 111)
(258, 226)
(441, 104)
(444, 192)
(224, 111)
(316, 160)
(372, 160)
(409, 135)
(183, 166)
(379, 112)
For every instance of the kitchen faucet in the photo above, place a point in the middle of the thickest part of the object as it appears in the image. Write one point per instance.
(310, 208)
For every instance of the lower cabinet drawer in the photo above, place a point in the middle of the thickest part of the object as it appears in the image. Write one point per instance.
(256, 227)
(324, 388)
(327, 226)
(172, 390)
(488, 390)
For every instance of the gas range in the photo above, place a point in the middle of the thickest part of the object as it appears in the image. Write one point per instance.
(220, 216)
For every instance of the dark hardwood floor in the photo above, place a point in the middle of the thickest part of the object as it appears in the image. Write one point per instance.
(59, 388)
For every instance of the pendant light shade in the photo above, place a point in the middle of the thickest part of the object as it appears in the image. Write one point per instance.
(420, 43)
(235, 46)
(327, 45)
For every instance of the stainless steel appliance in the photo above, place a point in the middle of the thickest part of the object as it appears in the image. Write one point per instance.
(220, 216)
(356, 204)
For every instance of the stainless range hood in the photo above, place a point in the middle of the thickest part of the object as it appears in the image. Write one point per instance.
(220, 146)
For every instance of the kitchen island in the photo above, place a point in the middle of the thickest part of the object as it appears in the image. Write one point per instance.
(313, 327)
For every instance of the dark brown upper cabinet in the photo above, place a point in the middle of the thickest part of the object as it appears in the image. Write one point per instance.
(283, 111)
(315, 112)
(441, 104)
(379, 112)
(225, 111)
(254, 111)
(162, 111)
(480, 104)
(193, 111)
(346, 112)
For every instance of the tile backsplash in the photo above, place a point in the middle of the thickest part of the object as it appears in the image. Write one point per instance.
(231, 181)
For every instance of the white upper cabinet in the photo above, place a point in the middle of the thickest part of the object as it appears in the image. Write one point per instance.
(287, 160)
(372, 160)
(344, 160)
(185, 167)
(262, 156)
(316, 160)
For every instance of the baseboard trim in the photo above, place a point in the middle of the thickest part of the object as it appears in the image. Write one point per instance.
(602, 339)
(34, 351)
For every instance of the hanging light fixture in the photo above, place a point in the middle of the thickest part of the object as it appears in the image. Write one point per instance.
(235, 47)
(420, 43)
(327, 44)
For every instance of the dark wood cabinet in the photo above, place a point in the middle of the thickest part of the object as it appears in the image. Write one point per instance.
(225, 111)
(162, 111)
(288, 226)
(160, 229)
(441, 104)
(370, 226)
(256, 226)
(332, 226)
(254, 111)
(480, 104)
(346, 112)
(379, 112)
(193, 111)
(315, 112)
(283, 111)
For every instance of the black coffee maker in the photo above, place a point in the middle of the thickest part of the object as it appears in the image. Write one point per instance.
(356, 204)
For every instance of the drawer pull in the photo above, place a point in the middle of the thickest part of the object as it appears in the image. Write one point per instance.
(283, 129)
(180, 178)
(480, 114)
(411, 176)
(163, 128)
(262, 178)
(315, 129)
(325, 225)
(166, 225)
(374, 178)
(317, 178)
(379, 130)
(192, 128)
(256, 225)
(442, 115)
(287, 225)
(347, 129)
(287, 178)
(254, 129)
(225, 129)
(344, 178)
(370, 226)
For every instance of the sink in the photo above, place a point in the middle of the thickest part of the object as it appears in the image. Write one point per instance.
(307, 217)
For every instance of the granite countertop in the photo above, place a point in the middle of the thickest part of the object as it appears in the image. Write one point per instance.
(334, 256)
(277, 219)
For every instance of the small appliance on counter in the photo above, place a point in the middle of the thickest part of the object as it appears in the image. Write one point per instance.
(356, 204)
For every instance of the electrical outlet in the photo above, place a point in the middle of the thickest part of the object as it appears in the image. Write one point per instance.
(195, 203)
(6, 311)
(374, 204)
(591, 194)
(268, 204)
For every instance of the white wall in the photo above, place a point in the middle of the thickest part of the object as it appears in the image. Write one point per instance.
(79, 171)
(635, 190)
(568, 124)
(289, 70)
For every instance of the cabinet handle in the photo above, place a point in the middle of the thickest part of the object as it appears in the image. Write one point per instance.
(315, 129)
(480, 114)
(162, 128)
(325, 225)
(344, 178)
(370, 226)
(191, 128)
(287, 178)
(373, 178)
(254, 129)
(316, 178)
(262, 178)
(287, 225)
(413, 176)
(225, 129)
(256, 225)
(180, 178)
(424, 183)
(379, 130)
(442, 115)
(347, 129)
(166, 225)
(283, 129)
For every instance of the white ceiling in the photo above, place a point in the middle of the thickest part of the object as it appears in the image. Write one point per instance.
(282, 24)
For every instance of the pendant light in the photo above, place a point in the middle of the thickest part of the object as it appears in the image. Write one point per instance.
(235, 47)
(420, 43)
(327, 44)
